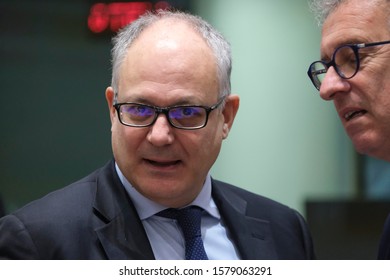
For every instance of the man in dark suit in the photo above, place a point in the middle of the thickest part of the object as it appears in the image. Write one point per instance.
(354, 73)
(170, 108)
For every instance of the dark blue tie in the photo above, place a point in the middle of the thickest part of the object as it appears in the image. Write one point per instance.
(189, 220)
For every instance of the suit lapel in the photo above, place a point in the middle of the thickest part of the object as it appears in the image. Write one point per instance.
(119, 229)
(120, 244)
(251, 236)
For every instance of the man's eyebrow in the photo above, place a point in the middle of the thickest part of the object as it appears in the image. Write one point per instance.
(151, 101)
(326, 57)
(324, 54)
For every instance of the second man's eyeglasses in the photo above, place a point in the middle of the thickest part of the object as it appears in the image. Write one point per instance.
(345, 61)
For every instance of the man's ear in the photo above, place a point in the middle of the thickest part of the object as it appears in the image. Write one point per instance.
(110, 102)
(232, 104)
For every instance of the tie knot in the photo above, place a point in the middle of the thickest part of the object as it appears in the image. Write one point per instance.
(189, 220)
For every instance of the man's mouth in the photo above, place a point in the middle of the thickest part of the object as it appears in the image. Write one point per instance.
(163, 163)
(354, 114)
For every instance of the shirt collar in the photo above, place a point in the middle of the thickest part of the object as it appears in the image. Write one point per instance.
(147, 208)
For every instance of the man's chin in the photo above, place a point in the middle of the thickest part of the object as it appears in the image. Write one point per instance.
(368, 146)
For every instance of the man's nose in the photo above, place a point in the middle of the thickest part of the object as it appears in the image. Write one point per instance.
(160, 133)
(333, 84)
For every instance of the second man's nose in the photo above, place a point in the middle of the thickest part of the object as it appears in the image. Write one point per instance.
(333, 84)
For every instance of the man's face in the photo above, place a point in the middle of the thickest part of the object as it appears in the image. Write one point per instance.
(169, 65)
(362, 102)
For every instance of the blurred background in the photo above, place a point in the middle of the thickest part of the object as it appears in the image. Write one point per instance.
(286, 143)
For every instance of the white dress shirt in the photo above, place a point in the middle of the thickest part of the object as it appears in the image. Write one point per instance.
(164, 234)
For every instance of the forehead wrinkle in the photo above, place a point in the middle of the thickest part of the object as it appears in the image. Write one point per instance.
(352, 23)
(180, 100)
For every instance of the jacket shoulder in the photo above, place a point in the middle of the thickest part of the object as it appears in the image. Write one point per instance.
(58, 225)
(252, 199)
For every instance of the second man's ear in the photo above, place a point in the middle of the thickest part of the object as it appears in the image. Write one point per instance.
(231, 107)
(225, 128)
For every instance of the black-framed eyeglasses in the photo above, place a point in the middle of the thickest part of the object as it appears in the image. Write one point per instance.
(345, 61)
(188, 117)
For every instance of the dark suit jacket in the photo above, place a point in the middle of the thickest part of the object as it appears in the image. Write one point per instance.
(94, 218)
(384, 247)
(2, 208)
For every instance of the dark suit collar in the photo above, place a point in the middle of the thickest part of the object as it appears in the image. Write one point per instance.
(252, 236)
(120, 231)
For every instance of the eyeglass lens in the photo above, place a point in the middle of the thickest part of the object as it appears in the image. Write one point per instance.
(187, 116)
(345, 61)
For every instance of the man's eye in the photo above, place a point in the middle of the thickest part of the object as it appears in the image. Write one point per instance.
(351, 58)
(185, 112)
(140, 110)
(188, 111)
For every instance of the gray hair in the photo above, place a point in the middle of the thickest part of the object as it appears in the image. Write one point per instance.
(218, 44)
(323, 8)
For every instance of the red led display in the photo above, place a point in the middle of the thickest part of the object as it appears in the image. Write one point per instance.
(113, 16)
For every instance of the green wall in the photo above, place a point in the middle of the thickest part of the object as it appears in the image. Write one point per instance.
(54, 120)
